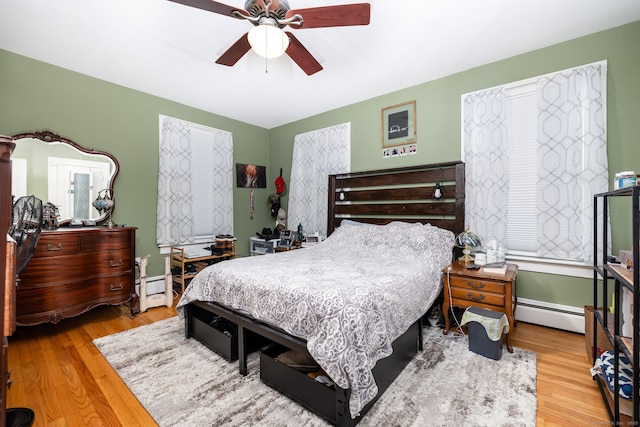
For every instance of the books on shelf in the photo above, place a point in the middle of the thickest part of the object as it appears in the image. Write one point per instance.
(495, 268)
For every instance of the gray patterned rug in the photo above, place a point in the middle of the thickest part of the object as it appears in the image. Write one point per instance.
(182, 383)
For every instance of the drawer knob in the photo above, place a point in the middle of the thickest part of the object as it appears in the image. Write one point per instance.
(115, 263)
(475, 285)
(475, 297)
(116, 288)
(51, 247)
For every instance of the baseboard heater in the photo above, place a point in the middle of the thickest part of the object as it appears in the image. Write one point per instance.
(155, 285)
(542, 313)
(557, 316)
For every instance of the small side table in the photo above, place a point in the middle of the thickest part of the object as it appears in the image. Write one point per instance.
(465, 287)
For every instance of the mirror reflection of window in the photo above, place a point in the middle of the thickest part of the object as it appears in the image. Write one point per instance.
(81, 190)
(74, 184)
(19, 177)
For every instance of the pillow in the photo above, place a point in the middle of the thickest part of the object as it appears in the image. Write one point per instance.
(604, 367)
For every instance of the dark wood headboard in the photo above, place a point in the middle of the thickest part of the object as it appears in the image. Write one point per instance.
(402, 194)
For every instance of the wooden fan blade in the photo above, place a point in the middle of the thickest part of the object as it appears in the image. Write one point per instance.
(333, 16)
(213, 6)
(235, 52)
(302, 56)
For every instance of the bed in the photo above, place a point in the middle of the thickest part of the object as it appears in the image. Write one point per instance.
(354, 302)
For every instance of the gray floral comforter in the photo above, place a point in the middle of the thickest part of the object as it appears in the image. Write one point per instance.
(350, 297)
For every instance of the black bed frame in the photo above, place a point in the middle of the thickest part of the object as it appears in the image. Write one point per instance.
(377, 197)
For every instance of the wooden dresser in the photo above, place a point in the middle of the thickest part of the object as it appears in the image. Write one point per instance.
(74, 270)
(7, 267)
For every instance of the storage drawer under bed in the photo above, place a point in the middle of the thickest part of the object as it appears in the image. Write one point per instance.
(297, 385)
(218, 333)
(333, 403)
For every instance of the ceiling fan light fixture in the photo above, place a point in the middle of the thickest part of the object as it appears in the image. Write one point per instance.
(268, 41)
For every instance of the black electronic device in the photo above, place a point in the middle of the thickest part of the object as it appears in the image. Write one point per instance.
(26, 224)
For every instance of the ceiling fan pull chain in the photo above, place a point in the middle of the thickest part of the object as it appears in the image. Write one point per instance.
(266, 36)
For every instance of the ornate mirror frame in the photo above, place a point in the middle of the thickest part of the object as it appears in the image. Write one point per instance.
(49, 137)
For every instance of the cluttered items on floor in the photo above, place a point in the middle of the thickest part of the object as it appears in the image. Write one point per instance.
(303, 363)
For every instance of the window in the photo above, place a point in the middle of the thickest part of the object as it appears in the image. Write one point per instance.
(195, 183)
(535, 154)
(316, 155)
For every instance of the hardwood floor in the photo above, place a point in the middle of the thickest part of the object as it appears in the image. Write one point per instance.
(58, 372)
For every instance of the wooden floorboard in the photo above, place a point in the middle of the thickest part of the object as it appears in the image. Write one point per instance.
(58, 372)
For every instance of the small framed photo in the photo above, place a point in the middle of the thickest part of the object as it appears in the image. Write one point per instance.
(399, 124)
(251, 176)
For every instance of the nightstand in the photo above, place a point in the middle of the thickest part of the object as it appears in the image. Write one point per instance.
(465, 287)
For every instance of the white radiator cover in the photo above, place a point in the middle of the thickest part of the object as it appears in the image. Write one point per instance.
(557, 316)
(155, 285)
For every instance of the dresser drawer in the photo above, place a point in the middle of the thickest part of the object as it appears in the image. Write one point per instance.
(477, 297)
(477, 284)
(54, 302)
(54, 270)
(111, 289)
(105, 240)
(55, 244)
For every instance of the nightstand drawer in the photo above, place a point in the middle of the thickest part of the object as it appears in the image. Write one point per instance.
(478, 297)
(476, 284)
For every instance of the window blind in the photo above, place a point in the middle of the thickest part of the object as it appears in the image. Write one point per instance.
(521, 206)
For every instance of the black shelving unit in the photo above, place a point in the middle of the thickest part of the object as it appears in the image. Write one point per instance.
(622, 279)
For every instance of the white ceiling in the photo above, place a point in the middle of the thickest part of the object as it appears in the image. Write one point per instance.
(169, 50)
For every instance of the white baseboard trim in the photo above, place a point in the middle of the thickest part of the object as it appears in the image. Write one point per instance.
(557, 316)
(155, 285)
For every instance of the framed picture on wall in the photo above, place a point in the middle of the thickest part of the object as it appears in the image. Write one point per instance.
(251, 176)
(399, 124)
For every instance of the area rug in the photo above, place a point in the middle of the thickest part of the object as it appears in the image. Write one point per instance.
(180, 382)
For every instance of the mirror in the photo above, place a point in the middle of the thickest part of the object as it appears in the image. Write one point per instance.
(58, 170)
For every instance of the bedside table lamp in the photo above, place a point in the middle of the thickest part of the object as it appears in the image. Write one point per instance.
(467, 240)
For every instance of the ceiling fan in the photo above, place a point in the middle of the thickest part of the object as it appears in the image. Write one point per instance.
(270, 16)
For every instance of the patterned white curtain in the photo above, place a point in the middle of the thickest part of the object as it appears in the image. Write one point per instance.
(316, 155)
(572, 159)
(195, 183)
(486, 157)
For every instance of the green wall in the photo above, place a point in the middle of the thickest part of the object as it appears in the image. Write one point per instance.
(124, 122)
(438, 127)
